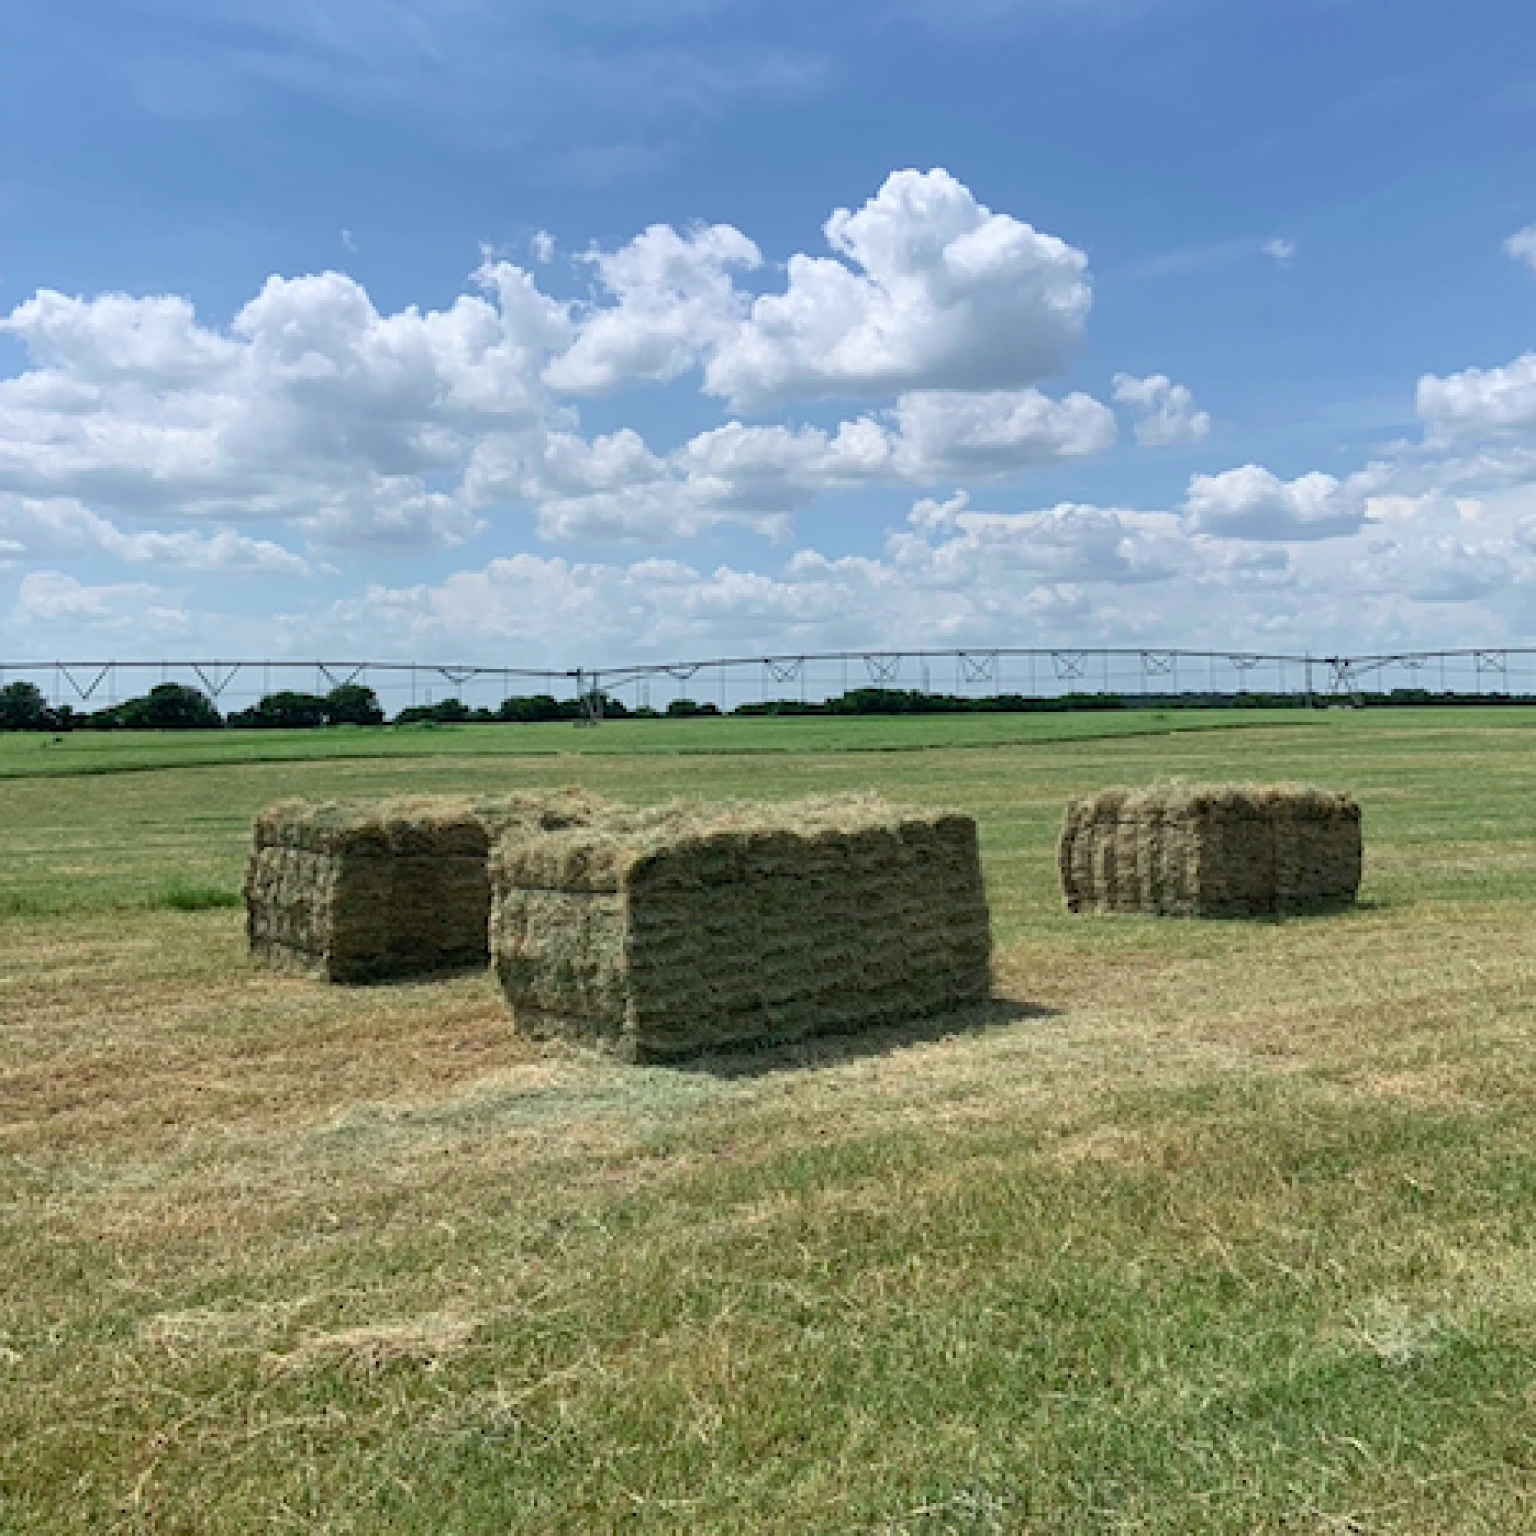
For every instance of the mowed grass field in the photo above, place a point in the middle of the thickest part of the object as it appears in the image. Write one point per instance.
(1202, 1227)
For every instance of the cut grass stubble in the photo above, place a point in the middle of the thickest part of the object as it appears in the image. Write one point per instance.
(1227, 1227)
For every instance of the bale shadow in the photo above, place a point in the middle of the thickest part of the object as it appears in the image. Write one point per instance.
(819, 1053)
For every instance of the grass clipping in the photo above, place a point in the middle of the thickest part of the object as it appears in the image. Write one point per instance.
(358, 892)
(664, 933)
(1211, 851)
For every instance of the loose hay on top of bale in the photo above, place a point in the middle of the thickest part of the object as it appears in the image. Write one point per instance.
(357, 892)
(1211, 851)
(664, 933)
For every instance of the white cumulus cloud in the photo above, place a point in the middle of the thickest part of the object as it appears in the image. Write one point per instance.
(615, 487)
(1481, 400)
(1252, 503)
(373, 430)
(1166, 412)
(928, 289)
(313, 407)
(950, 543)
(674, 298)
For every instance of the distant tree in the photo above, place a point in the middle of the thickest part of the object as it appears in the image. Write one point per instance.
(23, 708)
(170, 707)
(446, 712)
(535, 707)
(527, 708)
(687, 709)
(353, 704)
(282, 711)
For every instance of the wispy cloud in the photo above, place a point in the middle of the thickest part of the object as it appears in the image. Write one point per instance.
(1192, 259)
(959, 15)
(502, 76)
(1521, 246)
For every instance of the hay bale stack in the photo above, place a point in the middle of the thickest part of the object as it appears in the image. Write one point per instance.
(660, 934)
(358, 892)
(1211, 851)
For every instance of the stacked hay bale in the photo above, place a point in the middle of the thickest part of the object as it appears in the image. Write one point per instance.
(1211, 851)
(664, 933)
(364, 892)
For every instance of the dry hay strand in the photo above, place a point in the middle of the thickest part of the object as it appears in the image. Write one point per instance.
(1235, 850)
(666, 932)
(368, 891)
(424, 1341)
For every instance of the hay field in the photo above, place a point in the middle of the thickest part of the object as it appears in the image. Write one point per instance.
(1205, 1227)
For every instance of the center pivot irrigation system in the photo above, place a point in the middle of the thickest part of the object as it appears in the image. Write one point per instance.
(808, 677)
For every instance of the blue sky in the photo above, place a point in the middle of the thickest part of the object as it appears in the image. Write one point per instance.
(532, 333)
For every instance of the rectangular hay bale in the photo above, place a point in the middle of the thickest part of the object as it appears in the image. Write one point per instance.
(1211, 851)
(358, 892)
(666, 933)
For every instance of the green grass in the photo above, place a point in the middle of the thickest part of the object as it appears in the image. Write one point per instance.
(178, 896)
(26, 755)
(1204, 1228)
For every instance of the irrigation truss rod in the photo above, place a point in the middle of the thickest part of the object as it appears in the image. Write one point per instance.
(651, 668)
(974, 664)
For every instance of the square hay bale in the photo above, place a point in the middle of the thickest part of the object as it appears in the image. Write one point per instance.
(1211, 851)
(357, 892)
(664, 933)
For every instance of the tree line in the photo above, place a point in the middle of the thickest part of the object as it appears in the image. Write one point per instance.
(177, 707)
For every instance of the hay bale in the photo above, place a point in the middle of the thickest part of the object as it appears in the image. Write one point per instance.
(663, 933)
(1211, 851)
(357, 892)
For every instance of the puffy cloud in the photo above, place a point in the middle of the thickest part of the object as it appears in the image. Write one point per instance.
(953, 575)
(609, 488)
(1001, 432)
(153, 342)
(139, 434)
(950, 575)
(650, 606)
(1521, 246)
(399, 430)
(958, 576)
(313, 407)
(955, 546)
(615, 487)
(1480, 400)
(40, 530)
(674, 299)
(929, 289)
(1280, 250)
(1166, 412)
(1252, 503)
